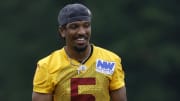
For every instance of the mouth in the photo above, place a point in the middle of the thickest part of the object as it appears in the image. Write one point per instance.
(80, 43)
(81, 40)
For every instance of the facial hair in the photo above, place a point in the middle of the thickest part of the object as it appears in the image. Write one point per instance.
(82, 49)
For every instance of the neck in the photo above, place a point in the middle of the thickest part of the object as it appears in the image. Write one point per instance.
(79, 56)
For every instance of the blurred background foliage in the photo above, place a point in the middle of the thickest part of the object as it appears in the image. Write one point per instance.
(145, 33)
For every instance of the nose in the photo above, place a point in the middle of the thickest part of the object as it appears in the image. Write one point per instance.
(81, 30)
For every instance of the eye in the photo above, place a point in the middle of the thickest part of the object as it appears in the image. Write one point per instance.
(73, 26)
(86, 25)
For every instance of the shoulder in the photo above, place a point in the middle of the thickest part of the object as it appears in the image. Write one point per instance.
(54, 55)
(51, 61)
(105, 53)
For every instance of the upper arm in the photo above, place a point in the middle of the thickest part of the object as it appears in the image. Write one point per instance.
(41, 97)
(119, 94)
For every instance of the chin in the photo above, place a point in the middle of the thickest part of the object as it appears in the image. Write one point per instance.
(80, 48)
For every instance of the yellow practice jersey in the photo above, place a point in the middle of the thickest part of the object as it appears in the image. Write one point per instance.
(67, 80)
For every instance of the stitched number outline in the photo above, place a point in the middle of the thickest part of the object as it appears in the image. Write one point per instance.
(74, 89)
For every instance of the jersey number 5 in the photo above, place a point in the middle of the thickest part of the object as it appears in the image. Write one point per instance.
(74, 89)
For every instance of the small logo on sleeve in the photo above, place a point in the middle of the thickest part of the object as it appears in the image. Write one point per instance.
(105, 67)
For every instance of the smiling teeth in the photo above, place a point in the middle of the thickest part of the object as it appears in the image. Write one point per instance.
(80, 39)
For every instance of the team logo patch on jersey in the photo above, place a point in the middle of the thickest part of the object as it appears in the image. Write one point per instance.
(105, 67)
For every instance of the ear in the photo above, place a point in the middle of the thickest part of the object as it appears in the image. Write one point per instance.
(61, 32)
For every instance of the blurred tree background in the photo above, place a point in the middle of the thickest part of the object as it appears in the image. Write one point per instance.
(145, 33)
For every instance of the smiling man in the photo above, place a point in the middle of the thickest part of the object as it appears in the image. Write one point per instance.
(79, 71)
